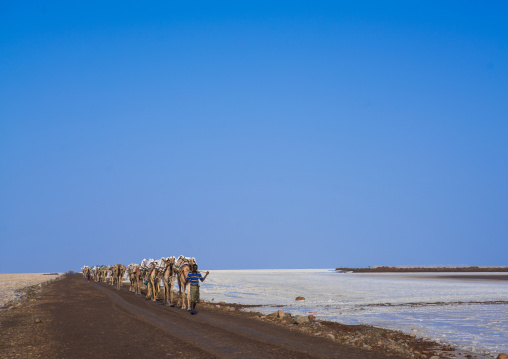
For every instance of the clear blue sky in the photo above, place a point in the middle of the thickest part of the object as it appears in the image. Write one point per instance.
(253, 134)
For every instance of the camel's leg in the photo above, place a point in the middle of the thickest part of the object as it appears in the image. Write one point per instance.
(151, 289)
(166, 293)
(183, 298)
(181, 291)
(154, 290)
(148, 290)
(171, 293)
(167, 287)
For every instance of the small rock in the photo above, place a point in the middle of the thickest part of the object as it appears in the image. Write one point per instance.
(366, 346)
(299, 298)
(330, 336)
(502, 356)
(413, 335)
(311, 317)
(280, 313)
(37, 320)
(217, 306)
(301, 319)
(434, 357)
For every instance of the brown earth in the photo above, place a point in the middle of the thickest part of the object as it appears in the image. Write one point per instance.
(72, 318)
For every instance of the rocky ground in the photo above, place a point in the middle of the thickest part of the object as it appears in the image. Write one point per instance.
(360, 336)
(12, 285)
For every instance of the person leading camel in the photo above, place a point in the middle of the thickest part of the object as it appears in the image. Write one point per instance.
(194, 277)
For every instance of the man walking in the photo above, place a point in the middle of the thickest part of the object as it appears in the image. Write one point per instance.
(194, 277)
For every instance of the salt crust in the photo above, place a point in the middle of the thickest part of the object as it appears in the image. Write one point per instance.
(10, 283)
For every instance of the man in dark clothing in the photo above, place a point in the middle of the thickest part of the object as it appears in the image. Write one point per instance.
(194, 277)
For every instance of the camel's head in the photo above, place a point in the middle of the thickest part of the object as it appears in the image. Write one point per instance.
(169, 261)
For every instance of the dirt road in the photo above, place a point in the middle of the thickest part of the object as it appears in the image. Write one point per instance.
(72, 318)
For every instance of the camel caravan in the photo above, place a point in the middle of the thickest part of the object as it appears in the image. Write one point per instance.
(150, 274)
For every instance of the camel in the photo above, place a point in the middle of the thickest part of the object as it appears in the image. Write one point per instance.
(87, 272)
(122, 273)
(143, 272)
(149, 280)
(118, 274)
(134, 276)
(183, 266)
(103, 273)
(111, 272)
(84, 270)
(96, 273)
(168, 278)
(155, 278)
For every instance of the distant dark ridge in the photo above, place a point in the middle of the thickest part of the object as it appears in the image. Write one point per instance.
(384, 269)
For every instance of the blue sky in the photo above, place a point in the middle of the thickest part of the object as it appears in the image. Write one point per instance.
(253, 134)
